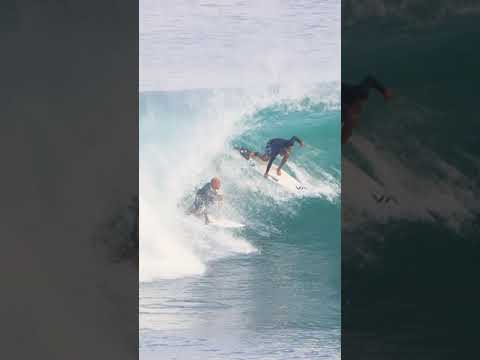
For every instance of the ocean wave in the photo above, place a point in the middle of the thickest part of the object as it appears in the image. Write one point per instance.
(187, 137)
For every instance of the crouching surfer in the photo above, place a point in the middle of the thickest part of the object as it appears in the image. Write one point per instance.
(274, 148)
(354, 98)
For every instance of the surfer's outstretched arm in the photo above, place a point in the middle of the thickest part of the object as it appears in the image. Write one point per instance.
(298, 140)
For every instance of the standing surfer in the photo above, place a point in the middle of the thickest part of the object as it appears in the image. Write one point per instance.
(274, 148)
(206, 197)
(354, 98)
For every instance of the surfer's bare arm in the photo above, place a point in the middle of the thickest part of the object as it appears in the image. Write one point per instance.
(298, 140)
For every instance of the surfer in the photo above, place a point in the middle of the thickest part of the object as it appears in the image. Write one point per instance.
(274, 148)
(206, 197)
(354, 98)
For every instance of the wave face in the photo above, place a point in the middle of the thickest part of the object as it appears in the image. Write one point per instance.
(188, 137)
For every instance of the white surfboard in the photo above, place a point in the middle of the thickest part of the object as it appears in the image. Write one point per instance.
(285, 180)
(224, 223)
(219, 221)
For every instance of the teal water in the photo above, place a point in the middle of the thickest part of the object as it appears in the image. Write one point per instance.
(271, 290)
(408, 287)
(428, 151)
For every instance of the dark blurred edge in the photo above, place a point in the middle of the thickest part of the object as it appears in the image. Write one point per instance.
(418, 298)
(69, 150)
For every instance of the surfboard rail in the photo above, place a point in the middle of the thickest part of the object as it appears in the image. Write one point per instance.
(285, 180)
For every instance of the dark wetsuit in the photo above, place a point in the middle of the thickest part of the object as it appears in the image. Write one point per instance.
(205, 198)
(353, 93)
(275, 147)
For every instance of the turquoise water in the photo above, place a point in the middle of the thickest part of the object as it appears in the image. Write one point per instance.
(269, 291)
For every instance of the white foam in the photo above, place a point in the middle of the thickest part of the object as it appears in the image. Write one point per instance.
(324, 185)
(170, 168)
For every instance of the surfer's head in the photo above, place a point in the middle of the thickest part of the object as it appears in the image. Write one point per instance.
(215, 182)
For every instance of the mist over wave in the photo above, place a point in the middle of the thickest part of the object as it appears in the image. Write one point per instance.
(237, 44)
